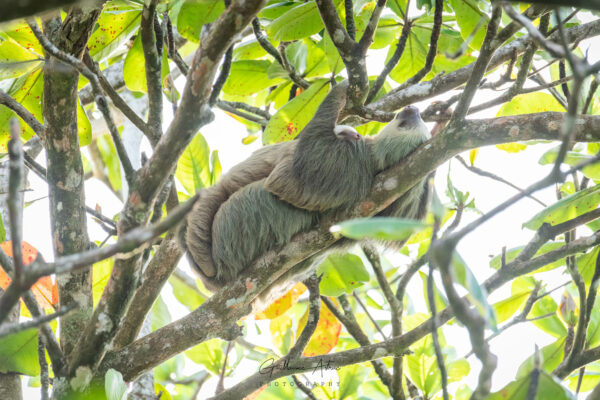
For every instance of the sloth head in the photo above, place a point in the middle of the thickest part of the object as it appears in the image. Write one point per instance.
(407, 122)
(347, 133)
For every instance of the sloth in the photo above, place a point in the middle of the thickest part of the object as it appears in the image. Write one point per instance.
(286, 188)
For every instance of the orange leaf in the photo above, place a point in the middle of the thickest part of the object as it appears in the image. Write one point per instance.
(326, 335)
(282, 304)
(45, 290)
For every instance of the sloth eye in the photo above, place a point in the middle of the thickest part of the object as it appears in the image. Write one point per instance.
(402, 124)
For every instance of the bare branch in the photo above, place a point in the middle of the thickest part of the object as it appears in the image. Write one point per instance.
(485, 54)
(9, 329)
(350, 26)
(367, 38)
(495, 177)
(22, 112)
(393, 61)
(433, 45)
(153, 64)
(349, 321)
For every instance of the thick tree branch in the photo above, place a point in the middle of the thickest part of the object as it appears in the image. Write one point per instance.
(153, 64)
(219, 313)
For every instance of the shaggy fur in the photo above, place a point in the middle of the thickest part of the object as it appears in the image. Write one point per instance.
(282, 189)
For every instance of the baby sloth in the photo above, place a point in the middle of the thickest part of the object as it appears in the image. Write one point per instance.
(284, 189)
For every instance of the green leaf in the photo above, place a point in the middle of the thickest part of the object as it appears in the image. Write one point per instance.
(19, 353)
(248, 77)
(19, 32)
(186, 295)
(215, 167)
(550, 324)
(28, 91)
(275, 10)
(290, 119)
(84, 127)
(114, 385)
(382, 228)
(336, 65)
(160, 314)
(567, 208)
(438, 296)
(549, 387)
(16, 60)
(209, 354)
(351, 378)
(416, 49)
(591, 378)
(196, 13)
(2, 232)
(551, 356)
(468, 16)
(193, 167)
(250, 50)
(342, 273)
(100, 276)
(134, 67)
(572, 159)
(478, 294)
(586, 264)
(506, 308)
(116, 24)
(299, 22)
(530, 103)
(111, 160)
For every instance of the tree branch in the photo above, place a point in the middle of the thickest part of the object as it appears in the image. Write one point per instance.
(388, 185)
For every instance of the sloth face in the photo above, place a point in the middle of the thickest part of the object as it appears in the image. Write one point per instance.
(408, 121)
(347, 133)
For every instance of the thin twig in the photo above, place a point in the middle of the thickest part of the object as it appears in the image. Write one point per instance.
(439, 355)
(305, 389)
(172, 49)
(393, 61)
(264, 42)
(495, 177)
(223, 75)
(350, 26)
(485, 54)
(366, 310)
(314, 309)
(395, 308)
(115, 97)
(433, 44)
(221, 383)
(348, 319)
(44, 378)
(9, 329)
(41, 172)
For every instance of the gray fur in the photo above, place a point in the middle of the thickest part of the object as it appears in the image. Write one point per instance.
(311, 180)
(281, 190)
